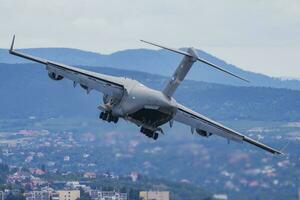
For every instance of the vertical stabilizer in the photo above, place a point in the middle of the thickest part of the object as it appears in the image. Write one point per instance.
(180, 73)
(185, 65)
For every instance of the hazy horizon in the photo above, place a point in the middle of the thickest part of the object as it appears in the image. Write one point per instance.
(260, 36)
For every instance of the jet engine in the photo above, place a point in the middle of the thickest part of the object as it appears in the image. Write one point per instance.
(110, 100)
(55, 76)
(203, 133)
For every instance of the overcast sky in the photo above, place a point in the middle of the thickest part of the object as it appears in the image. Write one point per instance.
(256, 35)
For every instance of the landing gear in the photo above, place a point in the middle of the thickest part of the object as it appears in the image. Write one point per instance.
(107, 116)
(155, 136)
(149, 133)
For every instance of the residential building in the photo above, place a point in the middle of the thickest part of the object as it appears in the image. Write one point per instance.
(38, 195)
(55, 196)
(220, 196)
(73, 185)
(5, 193)
(134, 176)
(154, 195)
(1, 195)
(89, 175)
(107, 195)
(68, 194)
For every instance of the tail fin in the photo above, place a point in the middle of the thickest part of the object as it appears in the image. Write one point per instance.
(180, 73)
(190, 57)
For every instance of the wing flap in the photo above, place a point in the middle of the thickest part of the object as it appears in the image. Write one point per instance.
(198, 121)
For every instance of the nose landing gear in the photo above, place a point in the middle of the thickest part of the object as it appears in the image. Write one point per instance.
(107, 116)
(149, 133)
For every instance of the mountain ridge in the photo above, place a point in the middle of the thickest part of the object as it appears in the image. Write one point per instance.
(29, 91)
(153, 61)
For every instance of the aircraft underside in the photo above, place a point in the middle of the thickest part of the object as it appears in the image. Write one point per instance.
(149, 120)
(151, 117)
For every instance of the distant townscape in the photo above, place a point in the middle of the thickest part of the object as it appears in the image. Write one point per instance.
(76, 191)
(37, 184)
(48, 158)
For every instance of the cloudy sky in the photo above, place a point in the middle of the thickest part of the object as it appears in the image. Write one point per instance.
(257, 35)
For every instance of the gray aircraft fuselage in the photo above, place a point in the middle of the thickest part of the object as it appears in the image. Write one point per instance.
(141, 105)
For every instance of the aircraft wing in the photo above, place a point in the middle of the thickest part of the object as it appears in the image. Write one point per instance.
(88, 80)
(207, 127)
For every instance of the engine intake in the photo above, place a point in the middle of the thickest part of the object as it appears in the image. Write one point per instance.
(55, 76)
(203, 133)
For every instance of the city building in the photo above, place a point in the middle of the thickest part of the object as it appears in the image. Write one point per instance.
(89, 175)
(134, 176)
(1, 195)
(67, 194)
(55, 196)
(73, 184)
(220, 196)
(107, 195)
(4, 194)
(38, 195)
(154, 195)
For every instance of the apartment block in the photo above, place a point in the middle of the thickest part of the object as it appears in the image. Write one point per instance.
(154, 195)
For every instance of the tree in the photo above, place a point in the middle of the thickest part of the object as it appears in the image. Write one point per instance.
(18, 196)
(133, 194)
(84, 195)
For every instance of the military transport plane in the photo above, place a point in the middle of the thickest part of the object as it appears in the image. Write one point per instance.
(149, 109)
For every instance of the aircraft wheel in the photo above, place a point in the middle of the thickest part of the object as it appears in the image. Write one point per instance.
(104, 116)
(101, 115)
(116, 119)
(155, 136)
(110, 117)
(142, 130)
(149, 133)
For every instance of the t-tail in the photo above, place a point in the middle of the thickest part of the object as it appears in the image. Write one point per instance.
(190, 57)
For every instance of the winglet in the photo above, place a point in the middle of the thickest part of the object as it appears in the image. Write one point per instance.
(23, 55)
(12, 44)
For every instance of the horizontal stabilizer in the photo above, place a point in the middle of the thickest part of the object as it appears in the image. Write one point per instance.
(197, 58)
(170, 49)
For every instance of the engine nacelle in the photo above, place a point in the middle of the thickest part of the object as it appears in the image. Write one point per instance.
(203, 133)
(109, 100)
(55, 76)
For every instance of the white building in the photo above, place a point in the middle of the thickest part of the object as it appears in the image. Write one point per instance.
(68, 194)
(107, 195)
(220, 196)
(154, 195)
(73, 184)
(1, 195)
(38, 195)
